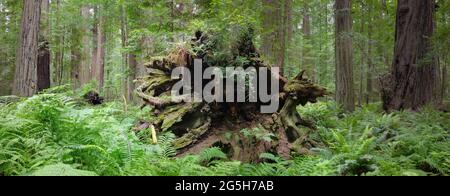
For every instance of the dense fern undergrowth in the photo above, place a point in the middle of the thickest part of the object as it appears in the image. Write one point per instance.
(53, 134)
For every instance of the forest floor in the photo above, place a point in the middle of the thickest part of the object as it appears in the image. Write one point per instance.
(56, 134)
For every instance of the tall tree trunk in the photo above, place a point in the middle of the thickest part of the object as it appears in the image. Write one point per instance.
(281, 37)
(307, 59)
(25, 79)
(362, 58)
(370, 65)
(125, 56)
(43, 66)
(289, 34)
(132, 75)
(6, 64)
(98, 59)
(444, 87)
(413, 78)
(384, 7)
(172, 5)
(58, 47)
(385, 16)
(268, 38)
(345, 95)
(85, 57)
(75, 58)
(274, 39)
(95, 45)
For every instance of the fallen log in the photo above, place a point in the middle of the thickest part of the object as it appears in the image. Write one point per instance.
(238, 128)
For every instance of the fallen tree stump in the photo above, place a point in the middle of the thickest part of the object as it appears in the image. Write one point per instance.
(239, 129)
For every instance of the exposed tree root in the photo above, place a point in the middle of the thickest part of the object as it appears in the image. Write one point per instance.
(239, 129)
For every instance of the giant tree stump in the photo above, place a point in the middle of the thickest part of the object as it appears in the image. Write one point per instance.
(239, 129)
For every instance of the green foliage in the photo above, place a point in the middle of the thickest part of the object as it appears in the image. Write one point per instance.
(311, 166)
(369, 142)
(50, 128)
(258, 134)
(211, 154)
(61, 170)
(51, 134)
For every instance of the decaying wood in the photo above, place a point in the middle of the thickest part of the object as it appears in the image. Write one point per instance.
(239, 129)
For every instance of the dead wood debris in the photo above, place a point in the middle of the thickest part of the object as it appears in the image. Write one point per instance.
(202, 125)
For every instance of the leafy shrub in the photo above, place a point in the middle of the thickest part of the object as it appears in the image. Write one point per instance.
(61, 170)
(401, 143)
(53, 134)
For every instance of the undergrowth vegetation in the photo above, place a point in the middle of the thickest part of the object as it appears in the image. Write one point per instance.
(55, 134)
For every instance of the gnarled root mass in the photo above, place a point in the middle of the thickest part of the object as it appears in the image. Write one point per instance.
(239, 129)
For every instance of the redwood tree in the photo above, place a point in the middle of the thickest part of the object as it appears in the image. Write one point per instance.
(43, 66)
(412, 82)
(98, 54)
(85, 52)
(274, 43)
(345, 95)
(307, 60)
(25, 79)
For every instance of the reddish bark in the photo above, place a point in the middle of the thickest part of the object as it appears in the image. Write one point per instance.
(413, 78)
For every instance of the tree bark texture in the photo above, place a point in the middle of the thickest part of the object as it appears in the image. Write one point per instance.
(25, 79)
(44, 58)
(345, 95)
(232, 125)
(412, 81)
(98, 55)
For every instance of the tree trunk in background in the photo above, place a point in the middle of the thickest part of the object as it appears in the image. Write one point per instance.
(444, 79)
(370, 65)
(172, 20)
(281, 37)
(10, 23)
(98, 55)
(75, 58)
(43, 66)
(384, 6)
(362, 58)
(288, 33)
(58, 47)
(384, 15)
(345, 95)
(268, 37)
(25, 79)
(125, 56)
(95, 46)
(99, 72)
(323, 74)
(413, 78)
(307, 59)
(267, 24)
(132, 75)
(3, 74)
(274, 39)
(85, 57)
